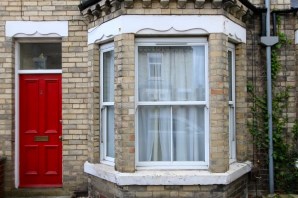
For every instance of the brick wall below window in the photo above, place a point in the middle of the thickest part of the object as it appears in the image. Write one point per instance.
(102, 188)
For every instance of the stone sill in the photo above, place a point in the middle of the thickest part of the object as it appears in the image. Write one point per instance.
(167, 177)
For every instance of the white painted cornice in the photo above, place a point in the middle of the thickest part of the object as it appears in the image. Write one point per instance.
(167, 25)
(36, 29)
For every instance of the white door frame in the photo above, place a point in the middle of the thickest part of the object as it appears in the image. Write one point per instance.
(18, 71)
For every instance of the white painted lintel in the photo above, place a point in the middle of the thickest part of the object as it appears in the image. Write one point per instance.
(200, 25)
(34, 29)
(167, 177)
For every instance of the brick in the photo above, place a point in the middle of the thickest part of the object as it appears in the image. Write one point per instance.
(144, 194)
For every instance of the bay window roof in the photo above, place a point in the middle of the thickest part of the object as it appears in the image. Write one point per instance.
(95, 9)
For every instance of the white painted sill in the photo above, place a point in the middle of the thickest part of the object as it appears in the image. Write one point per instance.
(167, 177)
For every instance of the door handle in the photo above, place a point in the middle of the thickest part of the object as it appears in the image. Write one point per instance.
(61, 138)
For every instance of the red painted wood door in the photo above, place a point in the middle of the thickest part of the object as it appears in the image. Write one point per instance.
(40, 130)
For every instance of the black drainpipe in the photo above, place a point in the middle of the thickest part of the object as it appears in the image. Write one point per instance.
(87, 3)
(252, 7)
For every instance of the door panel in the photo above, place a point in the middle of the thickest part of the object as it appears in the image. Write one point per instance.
(32, 104)
(51, 165)
(40, 128)
(31, 166)
(52, 102)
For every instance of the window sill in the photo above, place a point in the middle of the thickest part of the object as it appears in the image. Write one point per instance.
(107, 163)
(167, 177)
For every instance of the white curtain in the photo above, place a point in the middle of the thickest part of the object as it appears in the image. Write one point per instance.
(171, 133)
(154, 134)
(188, 133)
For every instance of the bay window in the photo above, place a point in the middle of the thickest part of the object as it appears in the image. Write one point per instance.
(172, 102)
(107, 102)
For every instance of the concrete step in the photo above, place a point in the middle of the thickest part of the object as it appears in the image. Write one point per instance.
(42, 193)
(42, 197)
(48, 197)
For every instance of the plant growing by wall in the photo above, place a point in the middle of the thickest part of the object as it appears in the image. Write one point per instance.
(284, 140)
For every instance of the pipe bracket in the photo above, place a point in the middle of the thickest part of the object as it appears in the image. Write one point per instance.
(269, 40)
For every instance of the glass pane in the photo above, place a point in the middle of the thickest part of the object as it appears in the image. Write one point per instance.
(40, 56)
(232, 132)
(230, 65)
(188, 133)
(108, 76)
(173, 73)
(154, 133)
(110, 132)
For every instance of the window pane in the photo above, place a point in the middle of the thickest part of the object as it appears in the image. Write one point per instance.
(173, 73)
(232, 130)
(154, 133)
(108, 76)
(188, 133)
(40, 56)
(110, 132)
(230, 62)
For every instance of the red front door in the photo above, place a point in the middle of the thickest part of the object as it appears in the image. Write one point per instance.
(40, 130)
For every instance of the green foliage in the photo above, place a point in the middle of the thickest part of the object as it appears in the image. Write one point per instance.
(295, 131)
(285, 152)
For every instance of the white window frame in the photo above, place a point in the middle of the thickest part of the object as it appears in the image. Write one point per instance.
(190, 41)
(103, 111)
(232, 108)
(35, 71)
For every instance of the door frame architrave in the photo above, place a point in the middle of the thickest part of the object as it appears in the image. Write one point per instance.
(18, 71)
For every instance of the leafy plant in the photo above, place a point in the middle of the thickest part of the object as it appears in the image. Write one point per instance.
(284, 152)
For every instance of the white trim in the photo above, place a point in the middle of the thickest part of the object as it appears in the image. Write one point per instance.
(41, 71)
(21, 29)
(107, 47)
(167, 25)
(16, 95)
(190, 41)
(172, 103)
(176, 41)
(136, 103)
(103, 111)
(168, 177)
(17, 100)
(207, 112)
(37, 71)
(39, 40)
(232, 107)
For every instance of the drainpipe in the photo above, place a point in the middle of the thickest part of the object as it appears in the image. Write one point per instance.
(269, 41)
(87, 3)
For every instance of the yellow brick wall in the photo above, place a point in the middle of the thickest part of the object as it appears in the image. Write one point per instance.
(74, 86)
(218, 100)
(124, 103)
